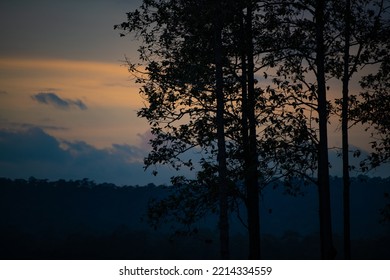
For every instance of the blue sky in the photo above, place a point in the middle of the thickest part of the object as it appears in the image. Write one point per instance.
(67, 103)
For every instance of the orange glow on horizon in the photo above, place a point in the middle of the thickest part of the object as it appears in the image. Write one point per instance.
(102, 84)
(59, 64)
(107, 90)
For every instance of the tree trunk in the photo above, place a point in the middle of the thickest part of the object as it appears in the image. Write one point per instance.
(252, 175)
(327, 249)
(344, 128)
(222, 170)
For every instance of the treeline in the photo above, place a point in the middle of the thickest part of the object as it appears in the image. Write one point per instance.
(74, 205)
(80, 219)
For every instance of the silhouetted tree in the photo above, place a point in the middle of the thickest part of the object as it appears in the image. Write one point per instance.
(325, 45)
(305, 27)
(369, 109)
(251, 158)
(363, 45)
(190, 80)
(220, 119)
(179, 84)
(344, 130)
(323, 161)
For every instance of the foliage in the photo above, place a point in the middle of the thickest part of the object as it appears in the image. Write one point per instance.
(370, 110)
(178, 83)
(298, 46)
(369, 48)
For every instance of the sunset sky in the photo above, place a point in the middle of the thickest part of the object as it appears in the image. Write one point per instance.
(63, 80)
(67, 103)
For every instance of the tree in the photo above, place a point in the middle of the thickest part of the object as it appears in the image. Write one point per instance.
(179, 84)
(319, 36)
(168, 80)
(323, 161)
(221, 158)
(345, 142)
(370, 111)
(363, 28)
(305, 27)
(249, 126)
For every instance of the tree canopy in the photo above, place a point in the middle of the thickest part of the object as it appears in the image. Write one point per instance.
(272, 61)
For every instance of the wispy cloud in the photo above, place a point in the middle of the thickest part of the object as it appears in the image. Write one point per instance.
(3, 92)
(50, 98)
(20, 125)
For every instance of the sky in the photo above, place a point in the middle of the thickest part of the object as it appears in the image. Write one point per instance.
(67, 102)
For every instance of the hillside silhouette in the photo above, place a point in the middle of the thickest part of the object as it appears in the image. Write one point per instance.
(80, 219)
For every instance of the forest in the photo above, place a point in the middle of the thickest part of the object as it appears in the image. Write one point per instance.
(79, 219)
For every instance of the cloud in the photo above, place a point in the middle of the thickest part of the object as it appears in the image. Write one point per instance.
(3, 92)
(128, 153)
(50, 98)
(144, 139)
(30, 145)
(30, 125)
(32, 152)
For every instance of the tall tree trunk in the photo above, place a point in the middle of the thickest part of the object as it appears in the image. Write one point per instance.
(252, 175)
(344, 128)
(327, 249)
(222, 170)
